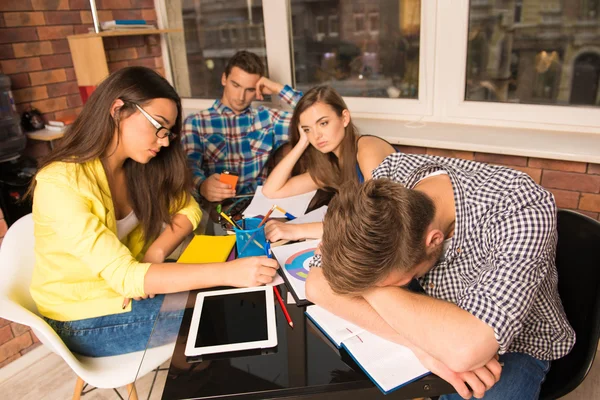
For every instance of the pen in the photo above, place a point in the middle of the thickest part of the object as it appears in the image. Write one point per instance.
(287, 214)
(277, 294)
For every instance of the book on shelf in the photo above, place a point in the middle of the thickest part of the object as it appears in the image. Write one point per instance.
(125, 24)
(389, 365)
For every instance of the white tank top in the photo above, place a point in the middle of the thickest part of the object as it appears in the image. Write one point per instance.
(126, 225)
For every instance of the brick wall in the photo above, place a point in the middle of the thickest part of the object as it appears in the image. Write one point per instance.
(34, 53)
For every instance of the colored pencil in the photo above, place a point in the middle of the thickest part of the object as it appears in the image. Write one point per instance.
(232, 222)
(282, 304)
(287, 214)
(266, 217)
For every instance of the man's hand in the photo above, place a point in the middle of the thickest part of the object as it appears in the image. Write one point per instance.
(214, 190)
(267, 86)
(277, 230)
(479, 380)
(251, 271)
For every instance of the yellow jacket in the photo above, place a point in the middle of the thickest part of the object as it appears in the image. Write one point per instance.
(82, 270)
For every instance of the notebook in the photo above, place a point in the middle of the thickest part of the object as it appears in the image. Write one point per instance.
(293, 260)
(207, 249)
(389, 365)
(295, 205)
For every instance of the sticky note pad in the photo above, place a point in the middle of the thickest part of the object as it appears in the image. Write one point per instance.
(207, 249)
(229, 179)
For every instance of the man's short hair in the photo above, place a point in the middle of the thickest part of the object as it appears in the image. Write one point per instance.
(371, 230)
(246, 61)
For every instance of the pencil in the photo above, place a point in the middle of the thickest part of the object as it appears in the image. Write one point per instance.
(232, 222)
(287, 214)
(282, 304)
(266, 217)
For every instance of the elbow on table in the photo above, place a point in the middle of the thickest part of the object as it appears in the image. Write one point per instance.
(470, 356)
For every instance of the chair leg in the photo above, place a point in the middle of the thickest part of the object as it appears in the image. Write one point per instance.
(78, 389)
(131, 392)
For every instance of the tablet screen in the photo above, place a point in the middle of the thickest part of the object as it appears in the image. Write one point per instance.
(232, 318)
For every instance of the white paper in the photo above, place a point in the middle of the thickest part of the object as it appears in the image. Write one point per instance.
(336, 328)
(314, 216)
(293, 260)
(388, 364)
(295, 205)
(277, 280)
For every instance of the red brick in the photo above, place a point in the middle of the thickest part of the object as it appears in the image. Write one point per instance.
(569, 166)
(30, 94)
(71, 113)
(152, 40)
(14, 346)
(74, 100)
(21, 65)
(149, 15)
(115, 66)
(18, 329)
(571, 181)
(6, 52)
(62, 17)
(122, 54)
(142, 3)
(589, 213)
(148, 51)
(110, 43)
(160, 71)
(60, 46)
(465, 155)
(411, 149)
(45, 77)
(20, 19)
(3, 227)
(82, 29)
(158, 62)
(112, 4)
(501, 159)
(62, 89)
(131, 41)
(54, 32)
(143, 62)
(70, 73)
(103, 15)
(50, 105)
(32, 347)
(19, 81)
(2, 24)
(534, 173)
(31, 49)
(127, 14)
(79, 4)
(5, 334)
(9, 360)
(593, 169)
(15, 5)
(589, 202)
(50, 4)
(16, 35)
(56, 61)
(565, 198)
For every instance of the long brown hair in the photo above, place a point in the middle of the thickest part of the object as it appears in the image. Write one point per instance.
(326, 169)
(155, 189)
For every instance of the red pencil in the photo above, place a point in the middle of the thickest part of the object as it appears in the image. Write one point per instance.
(282, 304)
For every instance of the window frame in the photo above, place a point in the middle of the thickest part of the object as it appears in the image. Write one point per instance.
(442, 76)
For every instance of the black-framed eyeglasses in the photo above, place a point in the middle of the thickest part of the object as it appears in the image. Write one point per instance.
(161, 131)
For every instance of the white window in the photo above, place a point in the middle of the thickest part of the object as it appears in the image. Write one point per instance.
(359, 24)
(374, 23)
(334, 26)
(320, 28)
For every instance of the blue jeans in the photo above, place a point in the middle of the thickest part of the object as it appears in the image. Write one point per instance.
(116, 334)
(521, 379)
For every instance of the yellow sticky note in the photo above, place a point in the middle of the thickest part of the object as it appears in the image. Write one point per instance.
(207, 249)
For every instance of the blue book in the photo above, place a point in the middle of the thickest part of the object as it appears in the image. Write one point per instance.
(125, 23)
(389, 365)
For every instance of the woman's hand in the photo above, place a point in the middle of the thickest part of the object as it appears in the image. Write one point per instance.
(303, 141)
(277, 230)
(251, 271)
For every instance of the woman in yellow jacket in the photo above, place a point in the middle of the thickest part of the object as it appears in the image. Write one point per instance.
(109, 204)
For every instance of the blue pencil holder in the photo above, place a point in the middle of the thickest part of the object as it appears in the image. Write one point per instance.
(251, 241)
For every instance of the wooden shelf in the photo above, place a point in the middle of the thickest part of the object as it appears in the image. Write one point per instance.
(44, 135)
(124, 32)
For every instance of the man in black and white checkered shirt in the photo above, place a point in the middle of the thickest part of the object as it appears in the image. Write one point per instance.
(480, 239)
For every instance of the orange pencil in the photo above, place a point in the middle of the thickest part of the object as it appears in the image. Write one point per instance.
(282, 304)
(266, 217)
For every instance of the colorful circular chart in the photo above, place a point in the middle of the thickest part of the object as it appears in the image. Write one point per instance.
(297, 264)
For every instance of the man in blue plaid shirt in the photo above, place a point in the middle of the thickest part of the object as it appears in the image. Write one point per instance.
(233, 136)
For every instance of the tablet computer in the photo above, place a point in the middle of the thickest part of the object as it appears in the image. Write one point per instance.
(232, 320)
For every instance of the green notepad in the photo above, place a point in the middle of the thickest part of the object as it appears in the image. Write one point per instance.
(207, 249)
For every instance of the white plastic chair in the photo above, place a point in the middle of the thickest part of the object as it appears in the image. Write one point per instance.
(16, 265)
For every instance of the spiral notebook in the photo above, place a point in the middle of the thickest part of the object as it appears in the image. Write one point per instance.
(389, 365)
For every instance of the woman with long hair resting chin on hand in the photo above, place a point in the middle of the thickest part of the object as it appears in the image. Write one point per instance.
(109, 204)
(328, 150)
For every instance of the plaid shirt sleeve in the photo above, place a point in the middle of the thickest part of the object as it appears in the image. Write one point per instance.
(194, 148)
(521, 250)
(281, 119)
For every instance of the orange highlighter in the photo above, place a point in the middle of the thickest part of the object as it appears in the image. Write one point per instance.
(229, 178)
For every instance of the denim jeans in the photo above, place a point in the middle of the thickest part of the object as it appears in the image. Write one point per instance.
(521, 379)
(115, 334)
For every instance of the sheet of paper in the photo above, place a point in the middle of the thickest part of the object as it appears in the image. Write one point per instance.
(295, 205)
(293, 260)
(314, 216)
(388, 364)
(335, 328)
(277, 280)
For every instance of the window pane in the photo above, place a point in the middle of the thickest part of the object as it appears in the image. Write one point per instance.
(361, 48)
(214, 30)
(534, 52)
